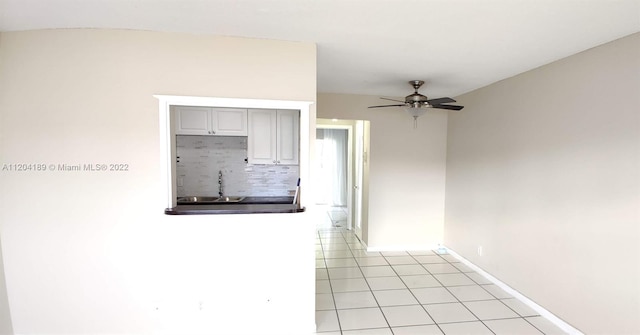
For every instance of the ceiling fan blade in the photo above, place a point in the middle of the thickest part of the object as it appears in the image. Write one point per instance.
(391, 99)
(451, 107)
(440, 101)
(387, 106)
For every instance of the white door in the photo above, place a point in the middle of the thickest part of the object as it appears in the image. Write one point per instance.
(357, 183)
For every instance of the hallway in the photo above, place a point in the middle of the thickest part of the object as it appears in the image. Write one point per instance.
(408, 293)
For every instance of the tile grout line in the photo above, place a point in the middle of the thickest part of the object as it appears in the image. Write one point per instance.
(330, 286)
(434, 277)
(370, 290)
(347, 238)
(519, 316)
(412, 294)
(543, 312)
(453, 295)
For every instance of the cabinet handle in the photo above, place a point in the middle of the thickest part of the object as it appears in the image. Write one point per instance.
(213, 132)
(274, 161)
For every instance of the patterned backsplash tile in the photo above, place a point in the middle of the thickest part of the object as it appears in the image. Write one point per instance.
(202, 157)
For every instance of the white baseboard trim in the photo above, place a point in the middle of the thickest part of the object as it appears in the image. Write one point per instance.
(541, 310)
(363, 244)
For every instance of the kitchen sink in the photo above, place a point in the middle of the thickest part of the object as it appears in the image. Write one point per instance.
(197, 199)
(229, 199)
(194, 200)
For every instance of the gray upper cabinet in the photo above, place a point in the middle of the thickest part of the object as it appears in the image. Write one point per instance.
(273, 136)
(210, 121)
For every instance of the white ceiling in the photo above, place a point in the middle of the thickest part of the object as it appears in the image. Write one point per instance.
(370, 46)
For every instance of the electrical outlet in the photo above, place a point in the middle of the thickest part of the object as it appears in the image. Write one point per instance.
(479, 250)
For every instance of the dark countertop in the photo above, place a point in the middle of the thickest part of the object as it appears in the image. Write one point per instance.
(249, 205)
(233, 208)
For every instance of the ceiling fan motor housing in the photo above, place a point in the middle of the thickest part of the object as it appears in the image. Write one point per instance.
(416, 97)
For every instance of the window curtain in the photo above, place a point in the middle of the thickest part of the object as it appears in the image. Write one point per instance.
(331, 150)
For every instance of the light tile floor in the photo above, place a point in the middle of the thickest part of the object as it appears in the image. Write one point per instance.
(408, 293)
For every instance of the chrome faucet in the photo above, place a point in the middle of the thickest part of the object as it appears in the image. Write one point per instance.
(220, 183)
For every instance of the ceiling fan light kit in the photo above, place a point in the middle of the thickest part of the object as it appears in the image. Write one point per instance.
(416, 104)
(416, 112)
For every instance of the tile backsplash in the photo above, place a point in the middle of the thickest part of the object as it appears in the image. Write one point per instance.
(202, 157)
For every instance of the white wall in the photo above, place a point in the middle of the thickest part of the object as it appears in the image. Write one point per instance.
(92, 252)
(5, 314)
(543, 172)
(407, 171)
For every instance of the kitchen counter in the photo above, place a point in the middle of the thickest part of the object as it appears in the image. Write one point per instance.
(249, 205)
(236, 208)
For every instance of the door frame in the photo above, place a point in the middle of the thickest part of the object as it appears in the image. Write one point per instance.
(359, 179)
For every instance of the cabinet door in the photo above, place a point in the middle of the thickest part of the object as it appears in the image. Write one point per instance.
(288, 137)
(193, 120)
(262, 137)
(229, 121)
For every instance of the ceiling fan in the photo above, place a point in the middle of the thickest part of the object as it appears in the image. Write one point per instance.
(416, 104)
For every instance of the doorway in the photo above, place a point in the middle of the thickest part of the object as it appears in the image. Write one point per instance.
(339, 167)
(332, 173)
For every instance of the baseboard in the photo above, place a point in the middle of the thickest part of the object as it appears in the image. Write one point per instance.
(541, 310)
